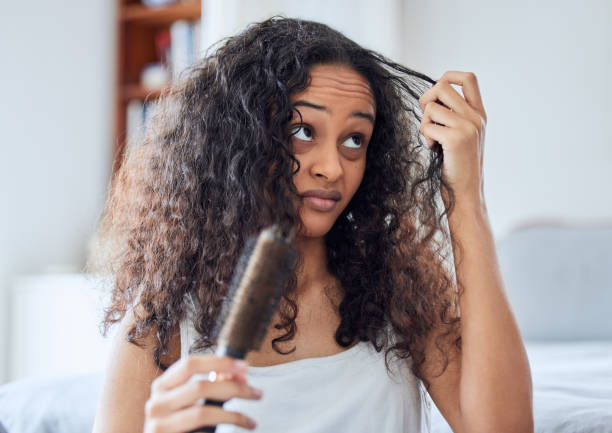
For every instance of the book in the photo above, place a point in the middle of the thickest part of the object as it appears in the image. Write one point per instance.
(177, 48)
(184, 45)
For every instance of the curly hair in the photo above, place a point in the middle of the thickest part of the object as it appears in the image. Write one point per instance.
(216, 166)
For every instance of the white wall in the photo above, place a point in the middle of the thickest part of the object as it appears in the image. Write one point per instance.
(544, 73)
(55, 116)
(374, 24)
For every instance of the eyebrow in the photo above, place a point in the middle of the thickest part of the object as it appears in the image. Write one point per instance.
(322, 108)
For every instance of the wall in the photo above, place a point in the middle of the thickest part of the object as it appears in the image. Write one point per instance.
(376, 25)
(55, 116)
(544, 73)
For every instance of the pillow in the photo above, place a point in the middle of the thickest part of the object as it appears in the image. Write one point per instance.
(557, 278)
(66, 404)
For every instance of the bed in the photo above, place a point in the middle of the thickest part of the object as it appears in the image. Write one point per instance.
(572, 393)
(572, 388)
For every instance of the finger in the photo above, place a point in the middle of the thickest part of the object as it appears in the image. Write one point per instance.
(435, 133)
(181, 371)
(201, 416)
(223, 376)
(446, 94)
(190, 393)
(436, 113)
(469, 87)
(239, 377)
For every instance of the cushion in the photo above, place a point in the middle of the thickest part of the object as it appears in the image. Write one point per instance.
(557, 278)
(64, 404)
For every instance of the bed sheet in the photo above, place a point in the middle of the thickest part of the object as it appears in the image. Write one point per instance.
(572, 387)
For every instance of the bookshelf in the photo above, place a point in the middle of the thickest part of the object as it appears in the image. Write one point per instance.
(142, 30)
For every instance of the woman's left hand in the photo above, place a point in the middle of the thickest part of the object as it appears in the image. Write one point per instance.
(460, 129)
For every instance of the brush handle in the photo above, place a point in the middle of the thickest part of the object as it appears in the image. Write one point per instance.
(212, 428)
(222, 350)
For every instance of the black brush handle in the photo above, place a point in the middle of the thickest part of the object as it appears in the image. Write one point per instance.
(211, 428)
(221, 351)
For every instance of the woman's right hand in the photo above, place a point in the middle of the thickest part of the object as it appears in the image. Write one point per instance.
(173, 405)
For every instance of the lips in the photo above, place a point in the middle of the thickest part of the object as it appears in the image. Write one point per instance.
(323, 193)
(322, 200)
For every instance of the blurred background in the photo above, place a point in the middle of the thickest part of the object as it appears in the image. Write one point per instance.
(80, 77)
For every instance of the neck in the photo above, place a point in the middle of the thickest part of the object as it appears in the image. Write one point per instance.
(314, 274)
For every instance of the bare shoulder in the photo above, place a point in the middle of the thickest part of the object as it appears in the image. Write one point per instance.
(126, 387)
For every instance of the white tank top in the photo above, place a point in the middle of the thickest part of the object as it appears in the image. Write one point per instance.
(350, 391)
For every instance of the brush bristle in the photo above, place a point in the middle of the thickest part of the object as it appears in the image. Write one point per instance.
(239, 269)
(259, 279)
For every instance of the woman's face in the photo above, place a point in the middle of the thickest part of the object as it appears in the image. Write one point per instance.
(337, 115)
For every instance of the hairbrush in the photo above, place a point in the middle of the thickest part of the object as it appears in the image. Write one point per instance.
(258, 281)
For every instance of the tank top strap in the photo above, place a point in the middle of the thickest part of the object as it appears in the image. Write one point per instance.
(187, 324)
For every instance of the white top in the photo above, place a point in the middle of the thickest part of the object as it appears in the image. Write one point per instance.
(350, 391)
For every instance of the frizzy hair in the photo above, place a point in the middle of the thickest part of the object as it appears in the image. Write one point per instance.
(216, 166)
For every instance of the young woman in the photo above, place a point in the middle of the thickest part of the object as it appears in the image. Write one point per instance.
(292, 122)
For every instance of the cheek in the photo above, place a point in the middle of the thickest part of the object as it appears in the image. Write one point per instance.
(299, 146)
(355, 177)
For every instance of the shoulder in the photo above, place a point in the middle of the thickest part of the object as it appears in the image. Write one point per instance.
(443, 388)
(129, 373)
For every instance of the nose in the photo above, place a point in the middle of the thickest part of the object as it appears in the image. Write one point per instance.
(327, 163)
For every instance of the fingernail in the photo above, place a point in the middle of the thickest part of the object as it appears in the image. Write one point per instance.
(251, 423)
(256, 392)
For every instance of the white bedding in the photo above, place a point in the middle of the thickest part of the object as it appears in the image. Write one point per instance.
(572, 394)
(572, 384)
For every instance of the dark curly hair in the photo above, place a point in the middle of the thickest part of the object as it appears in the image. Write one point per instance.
(216, 166)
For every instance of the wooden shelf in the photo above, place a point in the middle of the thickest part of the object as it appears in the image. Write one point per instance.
(160, 15)
(137, 27)
(136, 91)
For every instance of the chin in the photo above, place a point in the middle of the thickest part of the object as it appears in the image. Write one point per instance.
(316, 224)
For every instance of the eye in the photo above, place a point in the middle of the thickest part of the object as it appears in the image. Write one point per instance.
(302, 132)
(355, 141)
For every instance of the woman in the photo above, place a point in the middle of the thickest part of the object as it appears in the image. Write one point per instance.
(292, 122)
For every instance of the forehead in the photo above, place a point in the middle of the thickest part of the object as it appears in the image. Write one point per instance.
(338, 83)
